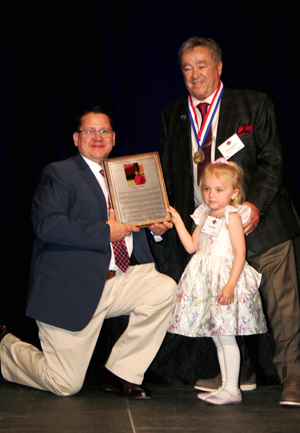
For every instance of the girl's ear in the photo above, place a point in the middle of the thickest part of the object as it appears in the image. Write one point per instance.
(235, 194)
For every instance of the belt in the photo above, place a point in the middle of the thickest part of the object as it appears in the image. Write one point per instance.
(110, 275)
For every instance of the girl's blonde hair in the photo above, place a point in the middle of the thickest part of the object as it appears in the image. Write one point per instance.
(232, 172)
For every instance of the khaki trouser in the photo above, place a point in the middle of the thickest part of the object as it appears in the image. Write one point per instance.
(61, 366)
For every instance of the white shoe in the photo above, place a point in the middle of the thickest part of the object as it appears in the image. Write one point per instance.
(204, 395)
(230, 399)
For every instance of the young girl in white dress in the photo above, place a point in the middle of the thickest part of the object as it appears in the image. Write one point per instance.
(218, 293)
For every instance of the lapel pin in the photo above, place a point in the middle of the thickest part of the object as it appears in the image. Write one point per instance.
(183, 117)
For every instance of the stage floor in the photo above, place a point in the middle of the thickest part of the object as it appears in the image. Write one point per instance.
(172, 409)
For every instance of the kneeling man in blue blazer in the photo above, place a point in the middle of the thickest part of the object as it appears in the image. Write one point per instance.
(76, 281)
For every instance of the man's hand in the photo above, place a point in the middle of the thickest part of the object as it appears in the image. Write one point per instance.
(118, 230)
(159, 229)
(253, 220)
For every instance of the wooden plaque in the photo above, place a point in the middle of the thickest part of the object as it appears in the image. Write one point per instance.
(137, 189)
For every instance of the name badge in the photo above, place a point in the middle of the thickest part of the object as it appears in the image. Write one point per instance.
(231, 146)
(212, 226)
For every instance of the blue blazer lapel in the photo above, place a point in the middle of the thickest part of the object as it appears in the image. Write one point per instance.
(91, 180)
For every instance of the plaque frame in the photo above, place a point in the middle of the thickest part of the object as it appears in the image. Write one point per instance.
(149, 194)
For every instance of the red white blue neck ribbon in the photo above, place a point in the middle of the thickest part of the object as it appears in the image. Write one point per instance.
(201, 133)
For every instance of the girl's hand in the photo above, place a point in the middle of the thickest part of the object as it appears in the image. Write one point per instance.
(226, 296)
(175, 215)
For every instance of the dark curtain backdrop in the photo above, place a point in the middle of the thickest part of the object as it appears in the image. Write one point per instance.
(58, 58)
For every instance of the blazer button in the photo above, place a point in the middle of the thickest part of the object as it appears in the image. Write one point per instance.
(108, 253)
(101, 277)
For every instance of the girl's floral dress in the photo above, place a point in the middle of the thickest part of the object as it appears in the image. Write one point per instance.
(196, 312)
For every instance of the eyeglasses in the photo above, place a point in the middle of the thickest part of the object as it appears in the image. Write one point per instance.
(91, 133)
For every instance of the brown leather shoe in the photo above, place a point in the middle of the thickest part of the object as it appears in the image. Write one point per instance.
(110, 382)
(209, 385)
(213, 384)
(291, 392)
(3, 330)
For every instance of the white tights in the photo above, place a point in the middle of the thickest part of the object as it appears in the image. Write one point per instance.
(229, 360)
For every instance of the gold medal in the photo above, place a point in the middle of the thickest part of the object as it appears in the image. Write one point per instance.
(199, 156)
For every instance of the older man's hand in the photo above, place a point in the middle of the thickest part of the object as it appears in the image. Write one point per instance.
(159, 229)
(253, 220)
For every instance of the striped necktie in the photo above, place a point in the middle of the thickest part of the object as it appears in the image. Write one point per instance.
(119, 248)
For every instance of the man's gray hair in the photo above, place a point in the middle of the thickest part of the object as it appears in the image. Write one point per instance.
(195, 41)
